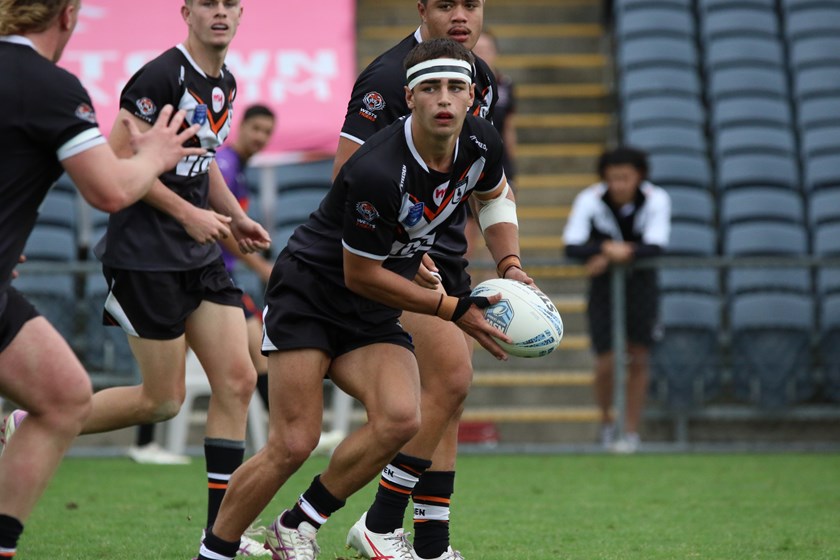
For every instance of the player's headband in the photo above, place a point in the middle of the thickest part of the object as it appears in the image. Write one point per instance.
(437, 69)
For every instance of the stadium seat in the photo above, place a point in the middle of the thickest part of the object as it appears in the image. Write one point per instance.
(689, 204)
(654, 21)
(643, 52)
(789, 6)
(280, 237)
(739, 21)
(821, 141)
(689, 280)
(735, 140)
(59, 209)
(827, 244)
(822, 171)
(815, 52)
(752, 82)
(686, 360)
(692, 239)
(750, 111)
(757, 170)
(248, 281)
(633, 4)
(668, 138)
(293, 207)
(669, 81)
(711, 5)
(812, 21)
(829, 346)
(691, 170)
(820, 81)
(771, 348)
(818, 112)
(823, 207)
(759, 203)
(661, 111)
(744, 51)
(311, 174)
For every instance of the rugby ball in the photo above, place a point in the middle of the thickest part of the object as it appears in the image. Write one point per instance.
(525, 314)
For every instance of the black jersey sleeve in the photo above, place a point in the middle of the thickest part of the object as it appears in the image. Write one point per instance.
(378, 99)
(61, 116)
(371, 209)
(488, 137)
(152, 87)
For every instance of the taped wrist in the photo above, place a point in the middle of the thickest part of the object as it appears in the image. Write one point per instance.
(464, 304)
(508, 262)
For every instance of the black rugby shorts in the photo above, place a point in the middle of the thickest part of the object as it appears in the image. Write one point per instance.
(156, 304)
(642, 299)
(17, 311)
(453, 273)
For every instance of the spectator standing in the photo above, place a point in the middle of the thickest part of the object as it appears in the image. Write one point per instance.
(615, 222)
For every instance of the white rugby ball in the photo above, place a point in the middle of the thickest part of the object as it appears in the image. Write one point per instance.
(525, 314)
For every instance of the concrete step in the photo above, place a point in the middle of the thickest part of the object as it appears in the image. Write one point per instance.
(563, 128)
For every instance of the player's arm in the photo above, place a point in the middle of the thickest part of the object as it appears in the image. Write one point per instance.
(346, 148)
(496, 212)
(111, 180)
(368, 278)
(205, 226)
(249, 234)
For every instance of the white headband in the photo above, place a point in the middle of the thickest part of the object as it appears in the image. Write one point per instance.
(439, 68)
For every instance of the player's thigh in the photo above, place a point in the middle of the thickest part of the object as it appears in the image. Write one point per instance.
(382, 376)
(161, 364)
(444, 353)
(218, 336)
(296, 388)
(38, 370)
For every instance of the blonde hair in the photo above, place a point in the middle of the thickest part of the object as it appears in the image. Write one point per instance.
(29, 16)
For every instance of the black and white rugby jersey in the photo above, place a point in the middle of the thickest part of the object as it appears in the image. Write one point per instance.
(141, 237)
(386, 204)
(48, 117)
(378, 99)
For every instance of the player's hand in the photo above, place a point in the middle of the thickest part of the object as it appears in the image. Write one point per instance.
(474, 324)
(250, 235)
(597, 265)
(163, 142)
(21, 260)
(427, 275)
(206, 226)
(516, 273)
(617, 251)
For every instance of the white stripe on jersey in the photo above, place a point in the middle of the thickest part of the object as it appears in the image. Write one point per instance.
(352, 138)
(83, 141)
(363, 253)
(113, 307)
(430, 513)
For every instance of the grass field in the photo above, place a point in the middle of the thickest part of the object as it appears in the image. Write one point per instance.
(569, 507)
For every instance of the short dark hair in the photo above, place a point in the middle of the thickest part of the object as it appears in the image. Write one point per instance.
(257, 110)
(624, 155)
(437, 48)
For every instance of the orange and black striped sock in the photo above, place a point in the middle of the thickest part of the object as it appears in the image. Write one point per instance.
(222, 456)
(10, 530)
(395, 486)
(314, 506)
(432, 497)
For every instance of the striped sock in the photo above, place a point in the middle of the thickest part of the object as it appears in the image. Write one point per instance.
(10, 530)
(395, 486)
(314, 506)
(214, 548)
(432, 496)
(223, 456)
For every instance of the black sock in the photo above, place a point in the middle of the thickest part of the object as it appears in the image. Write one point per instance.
(212, 543)
(398, 480)
(10, 530)
(262, 387)
(145, 434)
(222, 456)
(314, 506)
(432, 496)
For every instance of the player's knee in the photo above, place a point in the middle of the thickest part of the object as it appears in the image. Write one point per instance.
(398, 426)
(238, 385)
(163, 409)
(290, 451)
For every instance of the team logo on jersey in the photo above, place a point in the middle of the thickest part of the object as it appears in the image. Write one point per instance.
(200, 114)
(439, 193)
(218, 97)
(367, 211)
(85, 112)
(374, 101)
(146, 106)
(460, 188)
(414, 214)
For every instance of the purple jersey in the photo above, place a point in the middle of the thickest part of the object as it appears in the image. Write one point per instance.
(233, 170)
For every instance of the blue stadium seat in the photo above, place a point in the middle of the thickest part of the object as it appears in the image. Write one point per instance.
(752, 82)
(691, 170)
(827, 239)
(294, 207)
(633, 4)
(643, 52)
(744, 51)
(668, 138)
(59, 209)
(668, 80)
(750, 111)
(689, 280)
(654, 21)
(771, 348)
(686, 360)
(735, 140)
(280, 238)
(711, 5)
(661, 111)
(692, 239)
(689, 204)
(815, 51)
(821, 141)
(827, 244)
(829, 346)
(310, 174)
(811, 22)
(248, 281)
(757, 170)
(760, 203)
(820, 81)
(739, 21)
(818, 112)
(822, 171)
(823, 207)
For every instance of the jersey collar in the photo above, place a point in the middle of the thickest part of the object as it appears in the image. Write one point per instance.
(196, 67)
(413, 149)
(18, 40)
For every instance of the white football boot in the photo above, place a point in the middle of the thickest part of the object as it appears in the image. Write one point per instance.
(291, 544)
(379, 546)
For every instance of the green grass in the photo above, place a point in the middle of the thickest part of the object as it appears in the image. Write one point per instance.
(589, 507)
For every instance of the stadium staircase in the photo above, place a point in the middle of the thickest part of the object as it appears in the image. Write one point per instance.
(559, 67)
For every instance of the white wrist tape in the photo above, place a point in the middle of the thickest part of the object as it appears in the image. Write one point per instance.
(496, 211)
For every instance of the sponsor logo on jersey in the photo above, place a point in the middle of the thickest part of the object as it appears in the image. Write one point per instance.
(439, 193)
(414, 214)
(478, 143)
(146, 106)
(218, 97)
(372, 101)
(367, 211)
(460, 188)
(200, 114)
(85, 112)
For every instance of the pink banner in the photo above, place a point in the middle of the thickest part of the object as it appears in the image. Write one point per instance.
(283, 56)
